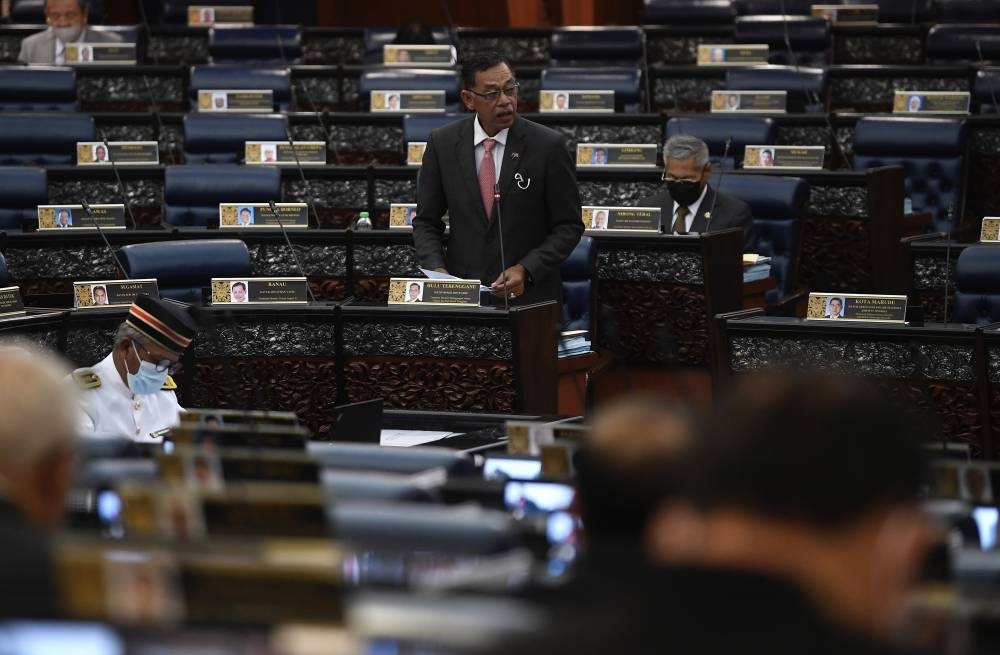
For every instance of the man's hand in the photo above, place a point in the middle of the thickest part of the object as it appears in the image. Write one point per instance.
(516, 276)
(442, 269)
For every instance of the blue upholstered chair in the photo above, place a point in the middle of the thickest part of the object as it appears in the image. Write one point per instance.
(977, 286)
(773, 7)
(276, 80)
(410, 79)
(894, 11)
(625, 82)
(986, 91)
(183, 268)
(4, 274)
(806, 87)
(262, 43)
(221, 139)
(417, 127)
(192, 193)
(42, 139)
(692, 12)
(578, 281)
(714, 130)
(376, 37)
(930, 151)
(127, 33)
(38, 88)
(968, 11)
(21, 191)
(957, 42)
(601, 46)
(810, 37)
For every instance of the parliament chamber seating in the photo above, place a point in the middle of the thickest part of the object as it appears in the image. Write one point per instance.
(579, 283)
(192, 193)
(694, 12)
(977, 286)
(4, 275)
(221, 138)
(175, 12)
(810, 38)
(894, 11)
(596, 46)
(931, 151)
(956, 42)
(625, 82)
(184, 268)
(968, 11)
(279, 44)
(773, 7)
(986, 91)
(47, 139)
(418, 127)
(806, 87)
(39, 88)
(716, 130)
(410, 79)
(247, 78)
(371, 457)
(33, 11)
(22, 189)
(126, 33)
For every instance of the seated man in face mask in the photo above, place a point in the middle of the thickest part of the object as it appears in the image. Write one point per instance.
(67, 21)
(688, 204)
(129, 393)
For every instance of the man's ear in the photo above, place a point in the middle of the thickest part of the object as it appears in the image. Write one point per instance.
(467, 100)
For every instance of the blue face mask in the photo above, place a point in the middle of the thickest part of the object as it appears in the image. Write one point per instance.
(147, 380)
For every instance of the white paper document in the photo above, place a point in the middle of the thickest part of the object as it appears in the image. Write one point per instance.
(405, 438)
(435, 275)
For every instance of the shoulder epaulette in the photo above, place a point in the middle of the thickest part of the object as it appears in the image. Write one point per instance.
(168, 384)
(87, 378)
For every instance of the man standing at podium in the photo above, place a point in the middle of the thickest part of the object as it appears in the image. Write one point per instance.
(496, 167)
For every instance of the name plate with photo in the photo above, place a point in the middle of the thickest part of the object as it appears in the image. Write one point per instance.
(84, 54)
(111, 293)
(616, 155)
(281, 153)
(577, 101)
(401, 215)
(207, 15)
(847, 14)
(249, 215)
(424, 291)
(749, 102)
(413, 102)
(261, 290)
(11, 303)
(931, 102)
(424, 55)
(990, 231)
(784, 157)
(415, 153)
(729, 54)
(631, 219)
(235, 101)
(74, 217)
(532, 437)
(122, 153)
(869, 308)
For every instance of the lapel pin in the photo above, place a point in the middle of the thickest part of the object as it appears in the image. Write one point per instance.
(708, 214)
(515, 155)
(522, 184)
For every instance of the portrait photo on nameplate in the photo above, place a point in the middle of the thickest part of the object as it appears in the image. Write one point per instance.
(106, 54)
(141, 587)
(931, 102)
(415, 153)
(990, 230)
(121, 153)
(281, 153)
(257, 215)
(621, 219)
(870, 308)
(422, 55)
(425, 291)
(231, 16)
(94, 294)
(615, 155)
(236, 101)
(749, 102)
(74, 217)
(260, 290)
(596, 101)
(729, 54)
(852, 14)
(11, 303)
(412, 102)
(784, 157)
(401, 215)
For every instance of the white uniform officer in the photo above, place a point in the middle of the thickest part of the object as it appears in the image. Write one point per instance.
(130, 394)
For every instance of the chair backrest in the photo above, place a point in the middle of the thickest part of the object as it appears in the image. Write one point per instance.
(977, 286)
(776, 204)
(418, 127)
(986, 91)
(806, 87)
(4, 274)
(38, 88)
(929, 150)
(22, 189)
(276, 80)
(694, 12)
(625, 82)
(715, 130)
(586, 46)
(42, 139)
(192, 193)
(894, 11)
(809, 37)
(220, 139)
(578, 287)
(968, 11)
(376, 37)
(183, 268)
(126, 33)
(773, 7)
(410, 79)
(957, 42)
(271, 43)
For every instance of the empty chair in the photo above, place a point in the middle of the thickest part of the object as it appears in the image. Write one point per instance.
(245, 78)
(418, 127)
(695, 12)
(957, 42)
(273, 43)
(192, 193)
(578, 287)
(21, 191)
(38, 88)
(758, 7)
(183, 269)
(968, 11)
(930, 151)
(587, 46)
(809, 37)
(806, 87)
(977, 286)
(220, 139)
(894, 11)
(411, 79)
(716, 130)
(4, 274)
(986, 91)
(625, 82)
(42, 139)
(376, 37)
(126, 33)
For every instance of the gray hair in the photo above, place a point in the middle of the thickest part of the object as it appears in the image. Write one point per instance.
(126, 331)
(685, 146)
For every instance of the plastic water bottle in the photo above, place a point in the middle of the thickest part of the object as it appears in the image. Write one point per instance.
(907, 205)
(363, 223)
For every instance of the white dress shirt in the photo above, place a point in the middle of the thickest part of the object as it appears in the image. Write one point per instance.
(479, 135)
(692, 211)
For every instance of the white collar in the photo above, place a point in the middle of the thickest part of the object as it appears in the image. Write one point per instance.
(694, 206)
(479, 134)
(109, 375)
(80, 39)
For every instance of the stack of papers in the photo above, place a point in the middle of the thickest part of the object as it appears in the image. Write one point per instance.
(756, 272)
(573, 345)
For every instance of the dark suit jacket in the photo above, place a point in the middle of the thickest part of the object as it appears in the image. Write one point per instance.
(540, 211)
(729, 212)
(26, 569)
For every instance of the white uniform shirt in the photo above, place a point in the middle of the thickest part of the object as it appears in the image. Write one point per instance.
(112, 410)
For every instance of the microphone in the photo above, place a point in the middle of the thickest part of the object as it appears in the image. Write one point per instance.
(302, 174)
(118, 178)
(947, 274)
(645, 74)
(291, 248)
(982, 62)
(722, 174)
(104, 237)
(503, 258)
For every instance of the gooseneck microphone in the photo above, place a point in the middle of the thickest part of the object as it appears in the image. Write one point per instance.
(291, 248)
(104, 237)
(722, 175)
(503, 257)
(302, 174)
(118, 178)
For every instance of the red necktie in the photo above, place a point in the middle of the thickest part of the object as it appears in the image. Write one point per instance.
(488, 177)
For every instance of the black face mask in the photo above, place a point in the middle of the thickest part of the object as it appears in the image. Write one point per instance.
(684, 192)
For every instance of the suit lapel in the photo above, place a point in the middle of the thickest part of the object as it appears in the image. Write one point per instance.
(700, 223)
(513, 153)
(465, 155)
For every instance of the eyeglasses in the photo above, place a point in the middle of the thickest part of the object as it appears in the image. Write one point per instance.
(493, 96)
(69, 15)
(162, 365)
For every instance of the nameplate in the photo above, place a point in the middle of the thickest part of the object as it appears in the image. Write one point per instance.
(577, 102)
(869, 308)
(615, 155)
(282, 153)
(784, 157)
(423, 291)
(990, 230)
(233, 101)
(931, 102)
(632, 219)
(197, 470)
(424, 55)
(140, 587)
(217, 417)
(207, 15)
(532, 438)
(847, 14)
(89, 54)
(92, 294)
(249, 215)
(74, 217)
(401, 215)
(11, 303)
(729, 54)
(272, 468)
(221, 430)
(749, 102)
(426, 102)
(122, 153)
(280, 513)
(415, 153)
(261, 290)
